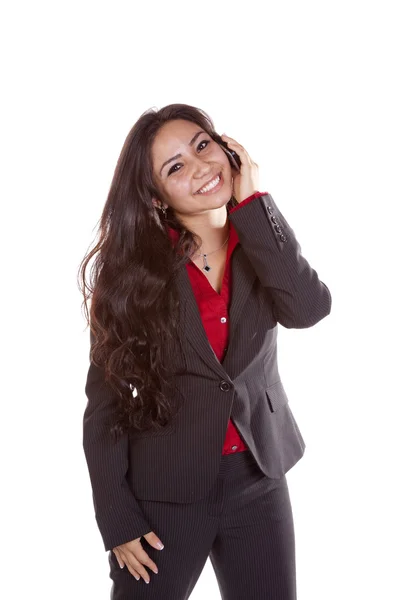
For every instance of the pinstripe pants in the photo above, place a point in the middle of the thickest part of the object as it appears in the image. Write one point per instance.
(245, 526)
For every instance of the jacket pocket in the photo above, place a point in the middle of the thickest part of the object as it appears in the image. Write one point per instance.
(276, 396)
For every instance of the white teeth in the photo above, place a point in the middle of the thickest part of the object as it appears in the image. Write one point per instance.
(210, 186)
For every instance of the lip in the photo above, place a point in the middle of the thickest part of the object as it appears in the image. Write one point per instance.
(209, 181)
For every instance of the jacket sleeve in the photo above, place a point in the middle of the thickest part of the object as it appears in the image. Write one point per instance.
(118, 514)
(299, 299)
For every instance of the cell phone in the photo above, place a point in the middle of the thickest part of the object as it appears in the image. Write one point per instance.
(232, 156)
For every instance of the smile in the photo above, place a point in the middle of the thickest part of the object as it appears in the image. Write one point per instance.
(212, 186)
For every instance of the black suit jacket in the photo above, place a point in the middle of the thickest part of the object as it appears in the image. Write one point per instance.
(272, 283)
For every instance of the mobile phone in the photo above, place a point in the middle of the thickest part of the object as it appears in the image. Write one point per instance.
(233, 157)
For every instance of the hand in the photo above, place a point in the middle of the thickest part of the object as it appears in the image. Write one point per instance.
(245, 182)
(133, 556)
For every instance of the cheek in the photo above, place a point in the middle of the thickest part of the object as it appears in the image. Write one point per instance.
(178, 192)
(222, 158)
(180, 188)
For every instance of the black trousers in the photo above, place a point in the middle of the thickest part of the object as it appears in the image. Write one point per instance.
(245, 526)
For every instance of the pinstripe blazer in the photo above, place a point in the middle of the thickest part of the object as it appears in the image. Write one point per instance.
(271, 283)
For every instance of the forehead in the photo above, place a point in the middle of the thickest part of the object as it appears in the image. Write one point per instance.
(172, 136)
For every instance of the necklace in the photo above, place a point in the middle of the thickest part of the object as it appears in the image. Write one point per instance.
(206, 266)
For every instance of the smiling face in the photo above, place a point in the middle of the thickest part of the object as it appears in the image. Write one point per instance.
(185, 159)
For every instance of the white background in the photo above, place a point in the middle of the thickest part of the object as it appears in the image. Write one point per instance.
(311, 90)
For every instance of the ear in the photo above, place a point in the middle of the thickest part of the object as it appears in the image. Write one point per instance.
(158, 204)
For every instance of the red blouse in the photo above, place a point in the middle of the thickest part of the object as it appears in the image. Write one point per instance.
(214, 312)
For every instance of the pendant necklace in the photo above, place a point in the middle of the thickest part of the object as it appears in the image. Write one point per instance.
(206, 266)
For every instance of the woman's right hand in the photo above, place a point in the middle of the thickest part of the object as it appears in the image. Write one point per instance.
(134, 557)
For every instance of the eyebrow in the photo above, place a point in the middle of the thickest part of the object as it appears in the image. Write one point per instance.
(192, 141)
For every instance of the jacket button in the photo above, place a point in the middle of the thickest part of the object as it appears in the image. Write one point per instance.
(273, 219)
(224, 386)
(270, 209)
(278, 229)
(283, 237)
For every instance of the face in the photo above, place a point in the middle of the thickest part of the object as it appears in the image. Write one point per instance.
(192, 159)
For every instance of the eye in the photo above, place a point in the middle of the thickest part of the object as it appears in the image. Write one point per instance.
(203, 142)
(176, 164)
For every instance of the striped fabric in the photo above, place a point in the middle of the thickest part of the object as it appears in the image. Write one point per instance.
(214, 311)
(271, 283)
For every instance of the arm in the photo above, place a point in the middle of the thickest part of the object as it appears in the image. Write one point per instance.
(299, 298)
(118, 515)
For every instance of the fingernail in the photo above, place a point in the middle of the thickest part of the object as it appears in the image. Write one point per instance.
(159, 545)
(147, 580)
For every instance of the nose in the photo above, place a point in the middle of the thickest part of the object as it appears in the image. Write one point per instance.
(201, 168)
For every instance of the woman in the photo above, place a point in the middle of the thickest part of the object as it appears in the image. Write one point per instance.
(187, 431)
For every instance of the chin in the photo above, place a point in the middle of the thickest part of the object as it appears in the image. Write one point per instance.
(220, 200)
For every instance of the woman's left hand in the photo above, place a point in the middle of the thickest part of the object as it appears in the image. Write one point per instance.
(245, 182)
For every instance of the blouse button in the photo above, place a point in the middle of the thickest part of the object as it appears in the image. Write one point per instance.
(223, 320)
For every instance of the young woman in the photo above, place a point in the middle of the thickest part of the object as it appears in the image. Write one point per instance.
(187, 431)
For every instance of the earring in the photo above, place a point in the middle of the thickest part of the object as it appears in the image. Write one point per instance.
(162, 208)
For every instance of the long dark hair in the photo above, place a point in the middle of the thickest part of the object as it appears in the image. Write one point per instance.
(134, 310)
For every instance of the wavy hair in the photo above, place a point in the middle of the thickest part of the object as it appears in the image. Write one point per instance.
(134, 304)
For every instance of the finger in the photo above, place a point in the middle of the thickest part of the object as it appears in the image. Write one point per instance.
(134, 572)
(119, 560)
(154, 540)
(231, 141)
(142, 556)
(137, 570)
(238, 148)
(126, 563)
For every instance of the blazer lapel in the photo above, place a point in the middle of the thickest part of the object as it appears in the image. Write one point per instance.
(243, 277)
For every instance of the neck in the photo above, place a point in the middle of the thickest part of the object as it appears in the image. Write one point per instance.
(212, 227)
